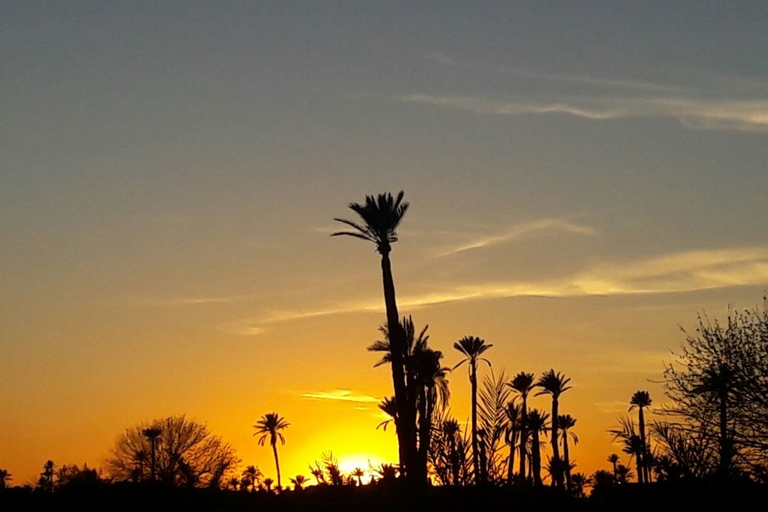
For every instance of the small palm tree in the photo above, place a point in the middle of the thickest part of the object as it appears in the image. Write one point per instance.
(298, 482)
(359, 473)
(642, 400)
(252, 476)
(523, 384)
(719, 383)
(152, 433)
(268, 484)
(513, 414)
(269, 426)
(5, 477)
(381, 215)
(554, 384)
(565, 423)
(537, 423)
(578, 481)
(633, 445)
(614, 460)
(472, 348)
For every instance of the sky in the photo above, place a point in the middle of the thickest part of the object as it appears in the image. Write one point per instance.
(584, 179)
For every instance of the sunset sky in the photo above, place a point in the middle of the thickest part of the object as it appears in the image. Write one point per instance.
(584, 178)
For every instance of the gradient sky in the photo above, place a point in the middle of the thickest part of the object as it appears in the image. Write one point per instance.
(584, 178)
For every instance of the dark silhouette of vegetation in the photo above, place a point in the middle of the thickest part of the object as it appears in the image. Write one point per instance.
(380, 217)
(554, 384)
(537, 424)
(188, 455)
(472, 347)
(718, 388)
(642, 400)
(269, 426)
(523, 384)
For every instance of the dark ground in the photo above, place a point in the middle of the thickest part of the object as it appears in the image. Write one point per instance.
(680, 497)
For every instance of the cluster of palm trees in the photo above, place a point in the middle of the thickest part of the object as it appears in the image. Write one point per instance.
(419, 381)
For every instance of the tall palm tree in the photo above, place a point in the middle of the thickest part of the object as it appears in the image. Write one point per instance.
(152, 433)
(513, 414)
(719, 382)
(472, 348)
(380, 217)
(537, 423)
(614, 460)
(641, 400)
(554, 384)
(270, 426)
(523, 384)
(432, 392)
(566, 422)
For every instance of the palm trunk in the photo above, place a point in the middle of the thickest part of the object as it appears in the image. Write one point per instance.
(425, 421)
(511, 464)
(523, 438)
(277, 467)
(567, 457)
(154, 469)
(557, 477)
(536, 459)
(646, 468)
(475, 449)
(406, 428)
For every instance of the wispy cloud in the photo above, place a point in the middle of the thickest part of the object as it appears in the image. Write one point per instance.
(674, 273)
(520, 231)
(340, 395)
(700, 114)
(572, 79)
(185, 301)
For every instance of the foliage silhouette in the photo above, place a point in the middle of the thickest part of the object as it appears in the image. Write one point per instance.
(188, 455)
(269, 426)
(523, 384)
(472, 348)
(642, 400)
(381, 216)
(554, 384)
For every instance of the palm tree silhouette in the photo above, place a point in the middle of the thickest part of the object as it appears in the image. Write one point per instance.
(641, 400)
(513, 413)
(633, 445)
(472, 348)
(389, 407)
(5, 477)
(380, 217)
(614, 460)
(252, 476)
(554, 384)
(268, 484)
(566, 422)
(537, 423)
(358, 473)
(152, 433)
(720, 382)
(270, 426)
(431, 391)
(298, 482)
(523, 383)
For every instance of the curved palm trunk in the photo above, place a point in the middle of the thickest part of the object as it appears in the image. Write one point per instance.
(536, 459)
(406, 427)
(523, 438)
(475, 448)
(557, 478)
(277, 467)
